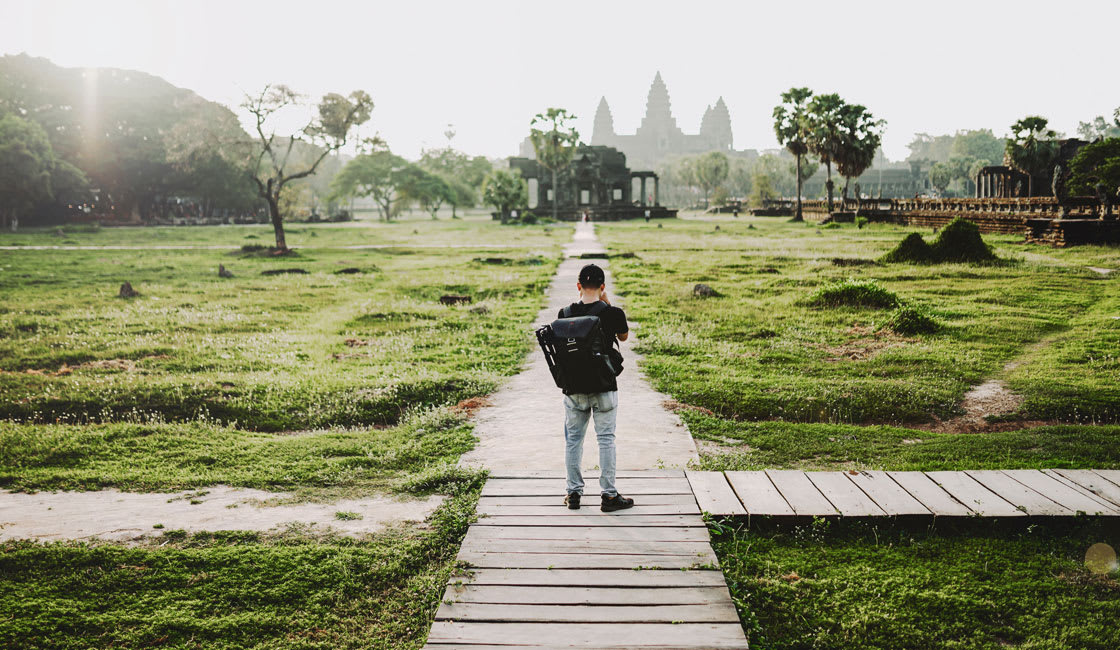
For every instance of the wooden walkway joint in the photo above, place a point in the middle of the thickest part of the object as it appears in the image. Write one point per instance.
(537, 575)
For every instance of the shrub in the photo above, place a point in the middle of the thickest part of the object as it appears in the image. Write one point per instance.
(861, 222)
(911, 320)
(959, 241)
(854, 293)
(911, 250)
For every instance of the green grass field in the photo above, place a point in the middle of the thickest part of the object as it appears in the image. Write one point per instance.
(327, 384)
(323, 385)
(768, 379)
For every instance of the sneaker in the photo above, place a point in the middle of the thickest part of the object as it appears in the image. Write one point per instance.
(572, 500)
(617, 502)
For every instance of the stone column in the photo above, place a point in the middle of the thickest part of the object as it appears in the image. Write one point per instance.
(643, 191)
(656, 190)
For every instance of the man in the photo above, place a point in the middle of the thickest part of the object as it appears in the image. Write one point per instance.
(579, 407)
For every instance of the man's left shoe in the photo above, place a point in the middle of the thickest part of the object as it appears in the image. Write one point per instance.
(572, 500)
(617, 502)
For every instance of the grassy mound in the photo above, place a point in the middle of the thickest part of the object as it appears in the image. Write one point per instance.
(913, 250)
(959, 241)
(909, 320)
(855, 293)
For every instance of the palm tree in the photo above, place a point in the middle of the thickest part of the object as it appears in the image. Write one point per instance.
(555, 146)
(826, 135)
(792, 128)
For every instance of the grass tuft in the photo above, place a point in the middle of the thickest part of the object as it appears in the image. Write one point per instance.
(912, 320)
(855, 293)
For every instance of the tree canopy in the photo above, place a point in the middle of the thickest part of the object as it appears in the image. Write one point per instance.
(555, 141)
(382, 176)
(30, 172)
(506, 191)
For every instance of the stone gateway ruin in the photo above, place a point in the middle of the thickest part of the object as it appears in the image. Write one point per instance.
(598, 183)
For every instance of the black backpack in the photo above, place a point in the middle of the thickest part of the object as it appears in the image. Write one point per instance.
(578, 352)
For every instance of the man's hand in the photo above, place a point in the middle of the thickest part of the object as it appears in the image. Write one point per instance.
(603, 296)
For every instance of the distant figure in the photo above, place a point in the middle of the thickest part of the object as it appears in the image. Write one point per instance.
(586, 215)
(647, 216)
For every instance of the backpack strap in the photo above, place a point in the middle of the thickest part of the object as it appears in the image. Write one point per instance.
(598, 308)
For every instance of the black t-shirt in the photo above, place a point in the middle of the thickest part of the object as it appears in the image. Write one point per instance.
(612, 318)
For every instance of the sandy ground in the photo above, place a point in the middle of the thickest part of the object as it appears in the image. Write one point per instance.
(125, 516)
(524, 427)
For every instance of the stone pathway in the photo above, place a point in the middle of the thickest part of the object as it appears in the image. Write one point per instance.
(127, 516)
(523, 430)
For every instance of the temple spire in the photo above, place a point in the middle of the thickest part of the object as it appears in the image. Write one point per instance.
(603, 131)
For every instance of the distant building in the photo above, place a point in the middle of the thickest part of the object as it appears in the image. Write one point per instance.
(597, 182)
(659, 137)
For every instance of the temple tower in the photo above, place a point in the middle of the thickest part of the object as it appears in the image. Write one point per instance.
(603, 131)
(659, 127)
(716, 127)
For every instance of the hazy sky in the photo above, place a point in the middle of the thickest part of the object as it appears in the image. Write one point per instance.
(488, 66)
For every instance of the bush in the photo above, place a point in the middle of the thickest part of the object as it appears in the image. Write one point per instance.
(855, 293)
(959, 241)
(911, 250)
(861, 222)
(911, 320)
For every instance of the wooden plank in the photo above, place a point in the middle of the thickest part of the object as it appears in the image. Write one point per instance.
(800, 493)
(978, 498)
(588, 501)
(1017, 494)
(588, 517)
(563, 511)
(1110, 475)
(618, 533)
(550, 487)
(536, 595)
(757, 493)
(930, 494)
(602, 636)
(714, 493)
(888, 495)
(587, 474)
(591, 578)
(845, 495)
(698, 549)
(583, 561)
(1093, 482)
(722, 612)
(1060, 493)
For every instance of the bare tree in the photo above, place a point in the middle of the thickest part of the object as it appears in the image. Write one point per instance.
(269, 155)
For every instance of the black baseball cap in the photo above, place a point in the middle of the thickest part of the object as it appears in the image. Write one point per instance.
(592, 276)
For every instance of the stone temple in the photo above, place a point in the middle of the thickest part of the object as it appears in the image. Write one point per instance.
(659, 137)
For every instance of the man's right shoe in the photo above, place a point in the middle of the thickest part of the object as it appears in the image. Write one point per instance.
(617, 502)
(572, 500)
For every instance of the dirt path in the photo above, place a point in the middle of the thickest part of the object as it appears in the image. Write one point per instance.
(126, 516)
(523, 430)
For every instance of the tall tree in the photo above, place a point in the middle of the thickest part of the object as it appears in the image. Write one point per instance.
(1099, 128)
(380, 175)
(791, 125)
(1032, 148)
(270, 155)
(429, 190)
(826, 137)
(861, 135)
(30, 173)
(940, 175)
(1096, 169)
(506, 191)
(980, 144)
(711, 171)
(555, 142)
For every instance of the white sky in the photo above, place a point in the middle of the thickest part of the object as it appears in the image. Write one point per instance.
(488, 66)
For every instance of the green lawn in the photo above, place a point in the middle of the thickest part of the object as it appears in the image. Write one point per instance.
(970, 585)
(327, 384)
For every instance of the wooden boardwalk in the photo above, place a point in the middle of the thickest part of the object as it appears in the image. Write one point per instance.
(537, 575)
(985, 493)
(543, 576)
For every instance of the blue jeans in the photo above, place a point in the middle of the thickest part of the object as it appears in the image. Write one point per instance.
(578, 408)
